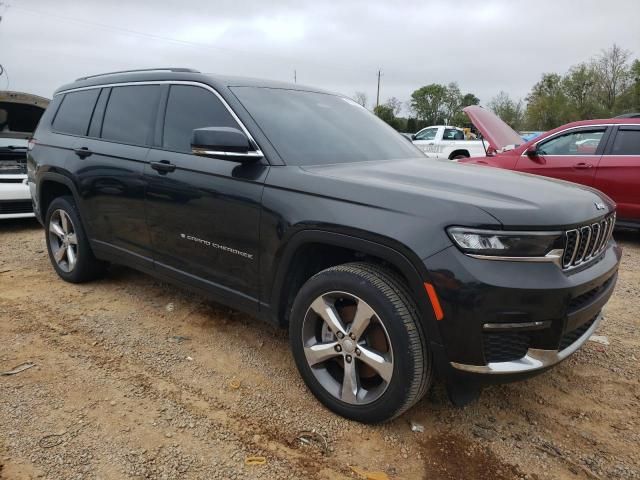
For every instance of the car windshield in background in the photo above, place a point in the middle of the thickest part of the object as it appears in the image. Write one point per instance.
(310, 128)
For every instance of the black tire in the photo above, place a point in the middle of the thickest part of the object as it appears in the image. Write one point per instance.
(388, 296)
(86, 267)
(459, 156)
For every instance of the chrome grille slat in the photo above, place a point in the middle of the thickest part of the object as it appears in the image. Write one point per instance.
(595, 233)
(587, 242)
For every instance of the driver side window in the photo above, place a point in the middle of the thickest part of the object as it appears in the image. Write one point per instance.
(580, 142)
(428, 134)
(190, 107)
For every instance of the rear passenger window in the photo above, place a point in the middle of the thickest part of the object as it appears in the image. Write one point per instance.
(75, 112)
(189, 108)
(130, 114)
(627, 142)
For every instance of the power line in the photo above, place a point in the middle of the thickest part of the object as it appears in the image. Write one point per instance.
(153, 36)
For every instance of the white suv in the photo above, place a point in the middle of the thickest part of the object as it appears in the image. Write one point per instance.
(19, 116)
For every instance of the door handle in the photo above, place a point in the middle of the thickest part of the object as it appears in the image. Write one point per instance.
(582, 165)
(163, 166)
(83, 152)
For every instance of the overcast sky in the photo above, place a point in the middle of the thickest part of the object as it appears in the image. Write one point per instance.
(484, 45)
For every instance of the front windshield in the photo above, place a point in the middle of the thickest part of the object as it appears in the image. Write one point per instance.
(309, 128)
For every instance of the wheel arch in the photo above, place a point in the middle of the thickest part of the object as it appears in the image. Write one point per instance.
(307, 246)
(50, 186)
(459, 151)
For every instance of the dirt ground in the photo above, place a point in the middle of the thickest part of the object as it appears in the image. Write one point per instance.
(135, 378)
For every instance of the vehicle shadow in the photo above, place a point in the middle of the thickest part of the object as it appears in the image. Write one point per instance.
(19, 224)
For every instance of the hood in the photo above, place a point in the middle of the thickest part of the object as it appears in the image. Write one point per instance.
(20, 113)
(448, 192)
(499, 134)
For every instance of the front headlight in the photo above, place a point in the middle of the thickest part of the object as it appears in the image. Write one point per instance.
(507, 244)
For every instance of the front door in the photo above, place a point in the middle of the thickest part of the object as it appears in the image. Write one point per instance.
(571, 156)
(425, 140)
(203, 213)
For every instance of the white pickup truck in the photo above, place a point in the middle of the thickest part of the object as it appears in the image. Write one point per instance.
(442, 141)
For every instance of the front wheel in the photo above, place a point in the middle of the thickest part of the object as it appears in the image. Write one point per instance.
(358, 343)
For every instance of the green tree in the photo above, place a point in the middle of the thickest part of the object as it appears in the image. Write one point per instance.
(613, 74)
(395, 105)
(511, 112)
(385, 113)
(460, 118)
(547, 103)
(412, 127)
(580, 86)
(630, 100)
(452, 102)
(428, 103)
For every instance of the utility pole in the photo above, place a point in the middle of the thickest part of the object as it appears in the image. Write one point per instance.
(378, 94)
(295, 77)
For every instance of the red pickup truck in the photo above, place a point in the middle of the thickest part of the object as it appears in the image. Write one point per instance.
(603, 154)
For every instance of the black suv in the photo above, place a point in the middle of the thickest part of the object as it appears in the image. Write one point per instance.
(302, 208)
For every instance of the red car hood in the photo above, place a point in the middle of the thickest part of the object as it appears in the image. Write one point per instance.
(499, 134)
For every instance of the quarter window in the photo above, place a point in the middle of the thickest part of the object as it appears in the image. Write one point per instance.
(428, 134)
(130, 114)
(75, 112)
(627, 142)
(189, 108)
(580, 142)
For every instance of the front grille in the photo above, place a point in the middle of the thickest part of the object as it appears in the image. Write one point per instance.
(587, 242)
(586, 298)
(22, 206)
(505, 346)
(571, 337)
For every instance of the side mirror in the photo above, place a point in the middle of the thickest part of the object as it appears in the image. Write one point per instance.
(413, 136)
(531, 151)
(225, 143)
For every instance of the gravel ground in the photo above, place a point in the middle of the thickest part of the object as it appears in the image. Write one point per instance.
(135, 378)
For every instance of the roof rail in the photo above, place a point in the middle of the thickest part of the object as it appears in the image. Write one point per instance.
(167, 69)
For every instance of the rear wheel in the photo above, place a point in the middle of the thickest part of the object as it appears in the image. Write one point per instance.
(67, 243)
(358, 343)
(459, 156)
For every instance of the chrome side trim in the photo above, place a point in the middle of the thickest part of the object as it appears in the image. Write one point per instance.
(174, 82)
(535, 359)
(253, 154)
(554, 256)
(512, 326)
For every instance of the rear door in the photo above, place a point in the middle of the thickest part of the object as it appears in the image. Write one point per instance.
(618, 173)
(203, 212)
(572, 155)
(108, 164)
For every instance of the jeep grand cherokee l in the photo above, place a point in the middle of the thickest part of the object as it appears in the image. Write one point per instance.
(304, 209)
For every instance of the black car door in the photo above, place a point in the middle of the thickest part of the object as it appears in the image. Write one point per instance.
(109, 167)
(203, 213)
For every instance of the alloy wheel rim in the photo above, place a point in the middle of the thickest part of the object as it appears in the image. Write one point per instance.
(347, 348)
(63, 240)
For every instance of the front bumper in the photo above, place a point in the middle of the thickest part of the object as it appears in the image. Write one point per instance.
(506, 321)
(534, 359)
(15, 197)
